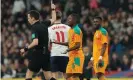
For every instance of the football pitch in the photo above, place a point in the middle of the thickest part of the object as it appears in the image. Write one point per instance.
(84, 79)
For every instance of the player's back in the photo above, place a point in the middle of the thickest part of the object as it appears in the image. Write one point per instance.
(58, 32)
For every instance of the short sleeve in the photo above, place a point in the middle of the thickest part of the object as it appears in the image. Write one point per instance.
(77, 34)
(104, 35)
(34, 33)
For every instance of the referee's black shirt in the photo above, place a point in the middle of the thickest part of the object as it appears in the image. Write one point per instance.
(40, 31)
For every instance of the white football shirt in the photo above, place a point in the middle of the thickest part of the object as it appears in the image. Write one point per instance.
(58, 32)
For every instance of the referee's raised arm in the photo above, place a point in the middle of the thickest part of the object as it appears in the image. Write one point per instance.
(53, 16)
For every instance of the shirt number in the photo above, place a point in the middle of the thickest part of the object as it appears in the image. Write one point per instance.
(60, 36)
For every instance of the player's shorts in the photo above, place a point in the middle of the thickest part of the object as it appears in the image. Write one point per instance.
(58, 63)
(76, 61)
(100, 69)
(38, 60)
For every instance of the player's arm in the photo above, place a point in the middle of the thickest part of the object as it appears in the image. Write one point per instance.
(34, 38)
(104, 40)
(104, 46)
(103, 49)
(77, 42)
(61, 43)
(33, 43)
(53, 14)
(76, 46)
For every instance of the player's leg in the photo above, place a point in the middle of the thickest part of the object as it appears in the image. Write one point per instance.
(78, 67)
(100, 76)
(62, 64)
(33, 66)
(47, 74)
(54, 66)
(45, 62)
(54, 75)
(69, 76)
(81, 77)
(29, 74)
(100, 71)
(76, 76)
(75, 65)
(69, 72)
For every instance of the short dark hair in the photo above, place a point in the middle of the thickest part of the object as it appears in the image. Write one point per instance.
(35, 14)
(76, 17)
(58, 15)
(98, 17)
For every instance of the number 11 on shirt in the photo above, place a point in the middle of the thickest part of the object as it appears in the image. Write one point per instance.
(59, 36)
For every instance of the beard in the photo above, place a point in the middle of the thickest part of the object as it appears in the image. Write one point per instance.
(97, 27)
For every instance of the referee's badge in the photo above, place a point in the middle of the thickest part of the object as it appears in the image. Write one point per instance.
(33, 36)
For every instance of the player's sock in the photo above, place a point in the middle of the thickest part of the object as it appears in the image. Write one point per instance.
(52, 78)
(29, 79)
(102, 78)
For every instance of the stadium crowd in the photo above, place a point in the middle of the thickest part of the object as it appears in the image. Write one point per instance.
(117, 19)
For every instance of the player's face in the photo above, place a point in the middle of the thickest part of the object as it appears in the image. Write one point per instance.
(30, 19)
(70, 20)
(97, 23)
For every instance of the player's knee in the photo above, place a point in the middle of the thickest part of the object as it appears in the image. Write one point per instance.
(99, 75)
(29, 74)
(47, 75)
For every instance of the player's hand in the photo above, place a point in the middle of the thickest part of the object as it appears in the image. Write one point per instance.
(22, 52)
(65, 52)
(56, 42)
(90, 64)
(100, 63)
(52, 5)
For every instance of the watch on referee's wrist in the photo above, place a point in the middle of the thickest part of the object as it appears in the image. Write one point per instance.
(26, 48)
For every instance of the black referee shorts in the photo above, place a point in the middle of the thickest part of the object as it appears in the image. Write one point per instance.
(38, 60)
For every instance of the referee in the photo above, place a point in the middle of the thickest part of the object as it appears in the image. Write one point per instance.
(38, 49)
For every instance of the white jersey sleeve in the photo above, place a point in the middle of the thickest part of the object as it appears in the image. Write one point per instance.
(58, 32)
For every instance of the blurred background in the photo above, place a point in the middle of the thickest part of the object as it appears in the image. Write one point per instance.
(117, 19)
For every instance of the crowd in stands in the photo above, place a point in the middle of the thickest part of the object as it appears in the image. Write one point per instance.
(117, 20)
